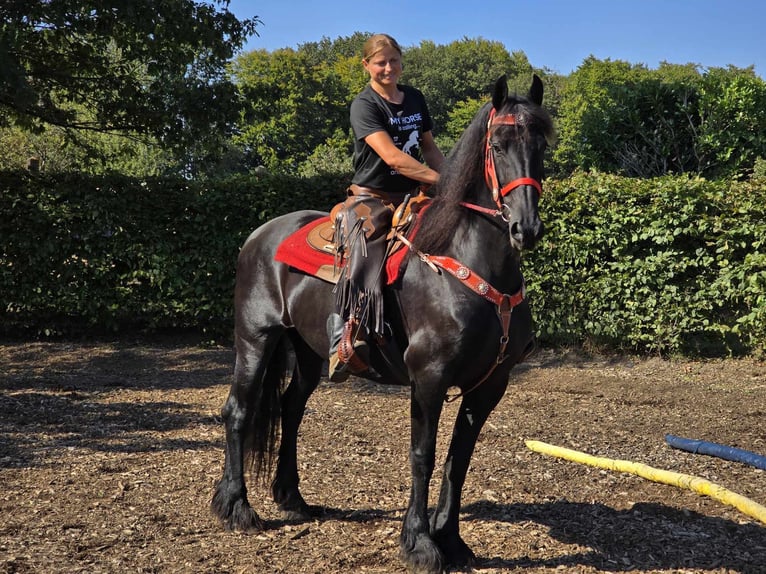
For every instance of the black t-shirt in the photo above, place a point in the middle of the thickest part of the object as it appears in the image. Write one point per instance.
(405, 123)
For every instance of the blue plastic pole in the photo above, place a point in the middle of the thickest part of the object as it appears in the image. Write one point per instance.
(719, 450)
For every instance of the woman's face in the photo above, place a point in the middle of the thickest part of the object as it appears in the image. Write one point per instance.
(384, 67)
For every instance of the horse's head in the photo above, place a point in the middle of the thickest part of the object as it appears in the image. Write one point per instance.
(510, 135)
(516, 139)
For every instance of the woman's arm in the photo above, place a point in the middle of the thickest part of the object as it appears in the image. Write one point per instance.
(405, 164)
(431, 152)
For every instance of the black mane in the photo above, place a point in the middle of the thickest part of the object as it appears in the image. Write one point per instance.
(462, 175)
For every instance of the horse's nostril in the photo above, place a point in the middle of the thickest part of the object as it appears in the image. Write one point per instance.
(526, 236)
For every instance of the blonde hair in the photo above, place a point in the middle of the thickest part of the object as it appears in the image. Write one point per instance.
(376, 43)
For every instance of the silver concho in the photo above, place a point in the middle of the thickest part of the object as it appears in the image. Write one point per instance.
(462, 273)
(483, 288)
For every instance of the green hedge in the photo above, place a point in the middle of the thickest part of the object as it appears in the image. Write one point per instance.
(85, 254)
(670, 265)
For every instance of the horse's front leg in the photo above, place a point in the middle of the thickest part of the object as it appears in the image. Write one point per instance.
(416, 545)
(474, 411)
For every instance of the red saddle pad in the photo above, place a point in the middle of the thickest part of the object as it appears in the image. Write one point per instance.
(296, 251)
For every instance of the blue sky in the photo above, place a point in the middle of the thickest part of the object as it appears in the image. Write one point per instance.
(557, 34)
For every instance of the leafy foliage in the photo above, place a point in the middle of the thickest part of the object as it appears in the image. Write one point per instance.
(732, 130)
(668, 265)
(292, 106)
(61, 150)
(93, 254)
(460, 118)
(626, 119)
(163, 75)
(462, 70)
(298, 99)
(140, 67)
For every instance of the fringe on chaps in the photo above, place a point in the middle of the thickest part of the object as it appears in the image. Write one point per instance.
(361, 233)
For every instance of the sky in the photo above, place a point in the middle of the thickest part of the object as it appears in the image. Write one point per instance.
(554, 34)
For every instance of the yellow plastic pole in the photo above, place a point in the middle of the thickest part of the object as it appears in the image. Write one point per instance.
(694, 483)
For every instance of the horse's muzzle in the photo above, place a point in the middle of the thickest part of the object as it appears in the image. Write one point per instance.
(526, 234)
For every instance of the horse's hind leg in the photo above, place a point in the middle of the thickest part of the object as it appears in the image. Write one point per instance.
(249, 398)
(306, 374)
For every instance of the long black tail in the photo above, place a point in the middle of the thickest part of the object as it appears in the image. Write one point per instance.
(263, 428)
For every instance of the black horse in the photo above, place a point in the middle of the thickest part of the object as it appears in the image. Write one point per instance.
(457, 313)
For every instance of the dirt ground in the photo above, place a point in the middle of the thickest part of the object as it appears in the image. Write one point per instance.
(109, 453)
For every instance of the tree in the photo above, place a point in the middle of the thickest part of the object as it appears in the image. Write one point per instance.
(459, 119)
(298, 100)
(732, 131)
(584, 113)
(625, 118)
(462, 70)
(341, 48)
(93, 152)
(285, 118)
(142, 67)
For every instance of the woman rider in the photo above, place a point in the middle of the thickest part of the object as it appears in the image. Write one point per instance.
(392, 135)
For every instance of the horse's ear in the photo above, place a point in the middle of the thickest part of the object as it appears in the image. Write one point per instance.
(500, 94)
(536, 90)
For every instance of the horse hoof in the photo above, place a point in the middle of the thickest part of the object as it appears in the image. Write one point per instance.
(296, 514)
(237, 515)
(457, 553)
(424, 557)
(244, 519)
(291, 505)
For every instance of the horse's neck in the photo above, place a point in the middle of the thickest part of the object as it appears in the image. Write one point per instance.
(484, 247)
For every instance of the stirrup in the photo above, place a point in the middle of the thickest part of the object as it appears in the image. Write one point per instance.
(353, 351)
(338, 371)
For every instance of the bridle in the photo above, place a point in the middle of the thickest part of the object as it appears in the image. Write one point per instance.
(490, 172)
